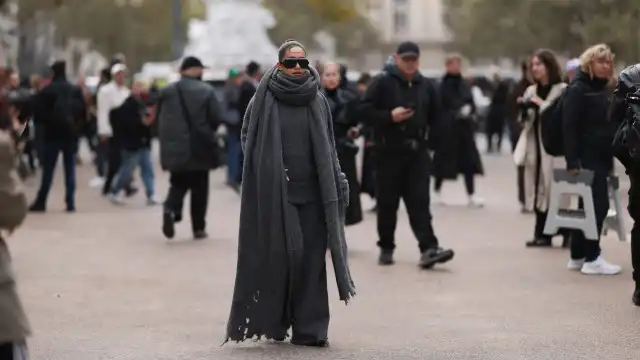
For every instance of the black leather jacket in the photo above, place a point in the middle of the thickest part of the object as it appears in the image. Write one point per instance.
(628, 83)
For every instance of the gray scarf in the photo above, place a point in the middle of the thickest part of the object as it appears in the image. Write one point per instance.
(268, 248)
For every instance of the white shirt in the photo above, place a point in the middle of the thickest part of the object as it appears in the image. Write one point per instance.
(110, 96)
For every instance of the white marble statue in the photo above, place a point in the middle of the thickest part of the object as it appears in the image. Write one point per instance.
(233, 33)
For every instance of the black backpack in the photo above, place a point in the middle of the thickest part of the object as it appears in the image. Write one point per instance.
(63, 115)
(551, 127)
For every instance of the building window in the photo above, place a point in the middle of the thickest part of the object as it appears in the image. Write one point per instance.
(400, 21)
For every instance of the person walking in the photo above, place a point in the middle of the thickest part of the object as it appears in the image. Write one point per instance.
(459, 154)
(292, 171)
(111, 96)
(59, 108)
(342, 102)
(247, 90)
(131, 123)
(497, 113)
(188, 114)
(403, 107)
(233, 124)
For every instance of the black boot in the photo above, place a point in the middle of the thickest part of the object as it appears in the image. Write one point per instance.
(435, 256)
(636, 296)
(539, 242)
(386, 257)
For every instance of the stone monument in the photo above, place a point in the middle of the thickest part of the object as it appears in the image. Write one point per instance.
(233, 33)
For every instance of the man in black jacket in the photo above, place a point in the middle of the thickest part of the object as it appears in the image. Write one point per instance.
(59, 108)
(402, 107)
(188, 116)
(130, 123)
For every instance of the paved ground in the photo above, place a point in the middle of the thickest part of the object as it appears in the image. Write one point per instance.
(103, 284)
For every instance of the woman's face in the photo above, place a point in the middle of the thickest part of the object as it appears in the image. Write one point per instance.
(331, 77)
(602, 68)
(538, 69)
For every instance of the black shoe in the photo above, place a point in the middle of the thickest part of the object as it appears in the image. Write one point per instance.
(71, 209)
(386, 257)
(539, 242)
(37, 208)
(636, 297)
(314, 343)
(131, 191)
(435, 256)
(168, 226)
(200, 235)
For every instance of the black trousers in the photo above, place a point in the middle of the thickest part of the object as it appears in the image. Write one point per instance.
(581, 248)
(113, 163)
(407, 176)
(197, 182)
(469, 183)
(521, 185)
(310, 298)
(634, 212)
(11, 351)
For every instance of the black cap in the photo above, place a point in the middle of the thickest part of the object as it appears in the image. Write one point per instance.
(191, 62)
(408, 48)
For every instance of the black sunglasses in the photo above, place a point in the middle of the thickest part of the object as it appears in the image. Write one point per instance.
(291, 63)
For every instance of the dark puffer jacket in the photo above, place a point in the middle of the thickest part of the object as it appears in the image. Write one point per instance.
(588, 134)
(187, 140)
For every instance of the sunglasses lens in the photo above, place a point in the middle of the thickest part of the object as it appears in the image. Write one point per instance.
(293, 62)
(289, 63)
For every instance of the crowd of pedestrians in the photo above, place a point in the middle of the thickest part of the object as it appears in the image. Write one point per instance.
(292, 140)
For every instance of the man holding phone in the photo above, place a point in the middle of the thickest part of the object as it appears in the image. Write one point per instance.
(402, 107)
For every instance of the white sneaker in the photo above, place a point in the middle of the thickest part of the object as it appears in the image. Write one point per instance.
(436, 199)
(152, 201)
(96, 182)
(115, 199)
(600, 267)
(475, 202)
(575, 264)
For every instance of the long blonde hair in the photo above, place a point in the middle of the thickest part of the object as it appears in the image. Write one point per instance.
(596, 52)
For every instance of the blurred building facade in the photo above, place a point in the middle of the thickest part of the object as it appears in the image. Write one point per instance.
(421, 21)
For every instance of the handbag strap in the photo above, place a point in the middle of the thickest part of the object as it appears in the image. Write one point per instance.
(183, 106)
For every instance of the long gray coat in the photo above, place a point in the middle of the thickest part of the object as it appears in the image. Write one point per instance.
(14, 326)
(182, 148)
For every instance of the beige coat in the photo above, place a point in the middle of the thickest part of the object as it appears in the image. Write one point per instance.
(14, 326)
(525, 154)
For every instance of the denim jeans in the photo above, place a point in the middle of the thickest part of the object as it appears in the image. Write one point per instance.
(50, 153)
(130, 160)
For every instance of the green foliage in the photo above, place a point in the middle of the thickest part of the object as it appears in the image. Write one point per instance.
(497, 28)
(141, 33)
(303, 19)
